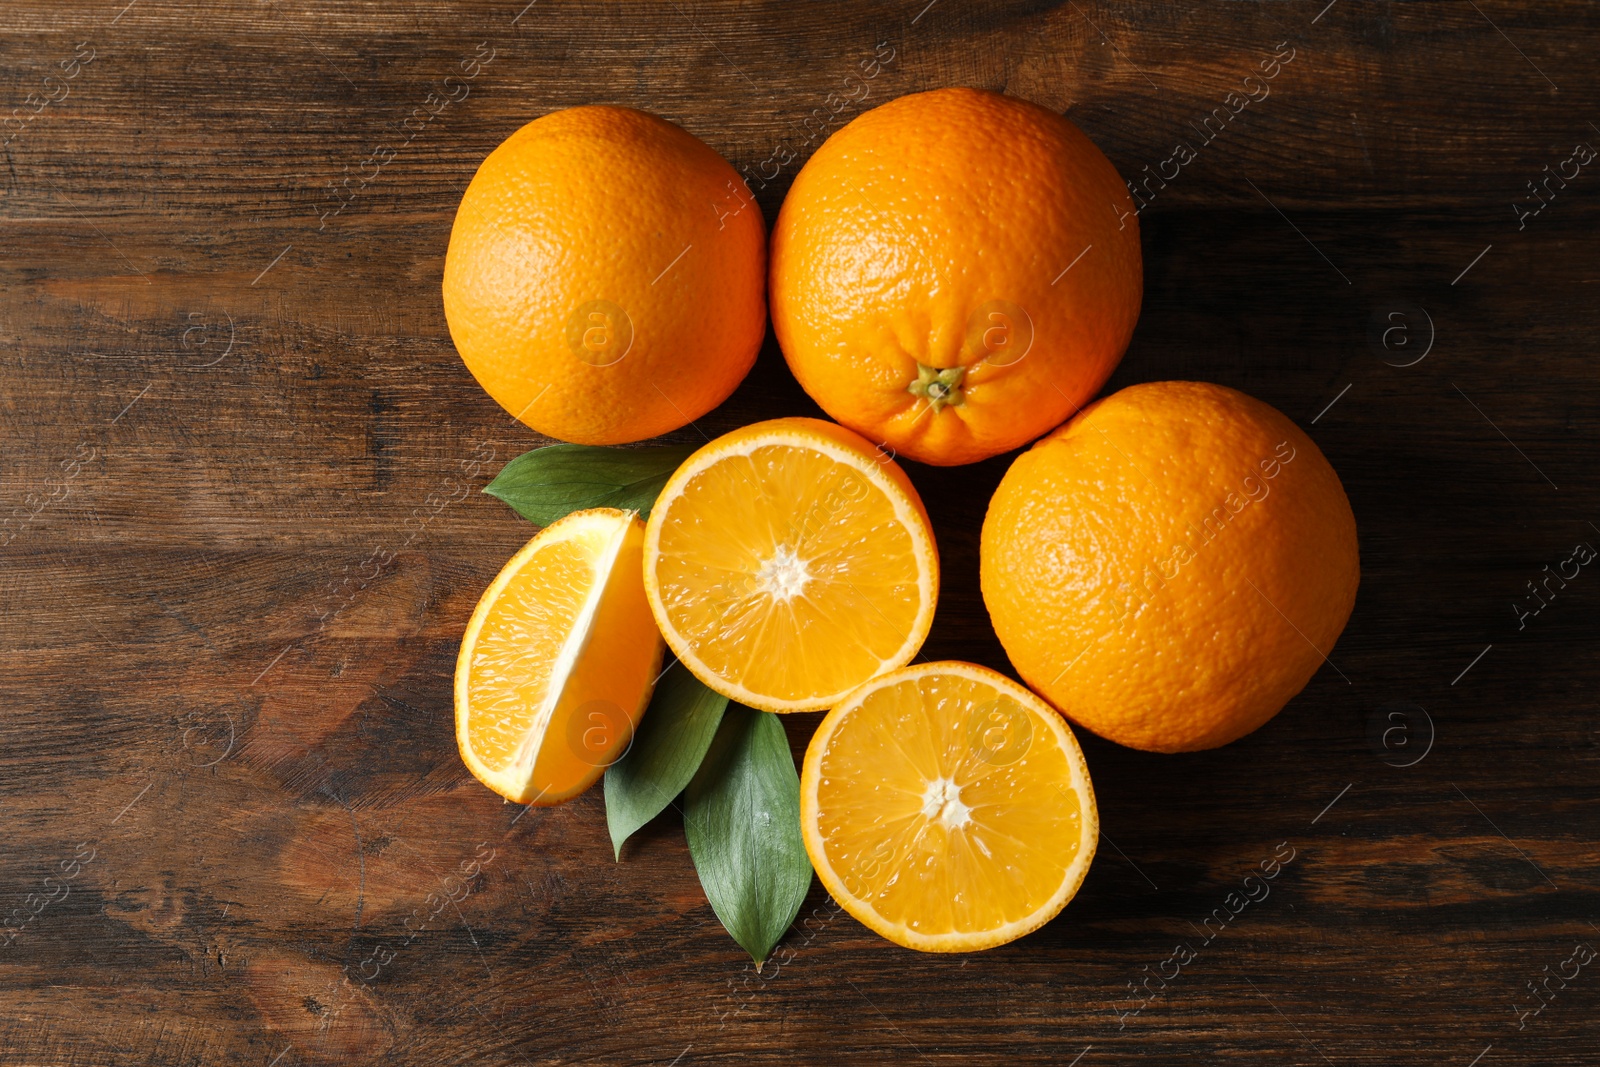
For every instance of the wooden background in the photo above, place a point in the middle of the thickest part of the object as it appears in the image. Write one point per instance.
(242, 536)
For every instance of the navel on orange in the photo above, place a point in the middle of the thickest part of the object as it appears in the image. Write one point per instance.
(788, 562)
(1172, 566)
(558, 661)
(605, 280)
(947, 808)
(954, 273)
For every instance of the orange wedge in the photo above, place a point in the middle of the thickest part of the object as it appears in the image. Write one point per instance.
(788, 562)
(558, 661)
(947, 808)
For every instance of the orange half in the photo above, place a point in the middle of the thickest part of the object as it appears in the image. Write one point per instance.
(788, 562)
(948, 808)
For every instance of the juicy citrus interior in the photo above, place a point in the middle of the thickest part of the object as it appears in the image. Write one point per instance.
(788, 562)
(947, 808)
(558, 661)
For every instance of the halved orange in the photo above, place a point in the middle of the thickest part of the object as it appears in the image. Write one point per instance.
(788, 562)
(948, 808)
(558, 661)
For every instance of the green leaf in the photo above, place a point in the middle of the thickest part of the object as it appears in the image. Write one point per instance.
(742, 819)
(550, 482)
(672, 739)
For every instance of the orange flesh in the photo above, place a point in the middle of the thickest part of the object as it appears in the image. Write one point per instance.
(788, 573)
(517, 648)
(946, 811)
(559, 661)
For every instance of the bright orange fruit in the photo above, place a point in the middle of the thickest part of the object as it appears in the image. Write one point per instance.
(789, 561)
(559, 660)
(605, 280)
(947, 808)
(954, 273)
(1172, 566)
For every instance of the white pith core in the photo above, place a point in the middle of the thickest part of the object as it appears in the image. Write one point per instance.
(784, 576)
(942, 802)
(571, 651)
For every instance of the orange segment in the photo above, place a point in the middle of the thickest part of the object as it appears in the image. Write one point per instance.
(788, 562)
(947, 808)
(558, 661)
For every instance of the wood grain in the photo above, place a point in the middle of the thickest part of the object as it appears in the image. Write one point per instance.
(240, 470)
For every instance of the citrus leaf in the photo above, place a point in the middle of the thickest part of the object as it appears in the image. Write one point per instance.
(550, 482)
(668, 747)
(742, 819)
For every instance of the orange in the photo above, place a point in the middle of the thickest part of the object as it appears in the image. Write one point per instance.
(605, 276)
(558, 661)
(954, 273)
(788, 562)
(1170, 567)
(947, 808)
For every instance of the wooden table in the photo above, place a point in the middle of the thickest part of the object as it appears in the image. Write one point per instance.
(242, 536)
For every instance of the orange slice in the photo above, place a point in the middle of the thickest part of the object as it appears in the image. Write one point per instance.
(947, 808)
(558, 661)
(788, 562)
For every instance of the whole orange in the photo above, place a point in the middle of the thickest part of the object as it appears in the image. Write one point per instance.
(605, 276)
(954, 273)
(1170, 567)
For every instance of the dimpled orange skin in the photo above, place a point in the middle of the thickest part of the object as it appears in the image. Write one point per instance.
(1165, 568)
(615, 205)
(901, 233)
